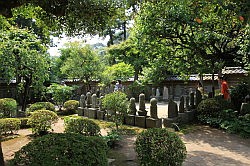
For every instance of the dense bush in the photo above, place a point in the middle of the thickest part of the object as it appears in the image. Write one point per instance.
(238, 94)
(81, 125)
(112, 138)
(62, 149)
(8, 107)
(71, 105)
(41, 106)
(117, 104)
(41, 121)
(9, 125)
(209, 110)
(159, 147)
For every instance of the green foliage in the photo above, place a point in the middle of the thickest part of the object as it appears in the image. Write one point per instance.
(60, 93)
(116, 103)
(80, 62)
(119, 71)
(209, 110)
(136, 88)
(9, 125)
(71, 105)
(63, 149)
(41, 121)
(79, 125)
(112, 138)
(159, 147)
(238, 94)
(40, 106)
(8, 107)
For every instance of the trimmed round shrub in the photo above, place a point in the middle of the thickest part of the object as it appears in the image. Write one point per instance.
(71, 105)
(59, 149)
(82, 126)
(159, 147)
(41, 106)
(9, 125)
(41, 121)
(8, 107)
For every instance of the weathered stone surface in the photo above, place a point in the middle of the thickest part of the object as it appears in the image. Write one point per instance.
(82, 101)
(192, 99)
(165, 95)
(130, 120)
(80, 111)
(92, 113)
(88, 99)
(142, 106)
(167, 122)
(198, 97)
(153, 123)
(187, 103)
(94, 101)
(181, 105)
(183, 117)
(100, 104)
(172, 109)
(86, 112)
(153, 108)
(132, 107)
(245, 108)
(100, 115)
(140, 121)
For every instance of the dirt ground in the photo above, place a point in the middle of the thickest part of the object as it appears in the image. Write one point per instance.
(205, 146)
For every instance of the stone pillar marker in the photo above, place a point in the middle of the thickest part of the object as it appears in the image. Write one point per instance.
(198, 97)
(132, 107)
(142, 108)
(153, 108)
(172, 114)
(153, 92)
(101, 111)
(88, 99)
(153, 121)
(130, 118)
(94, 101)
(192, 99)
(140, 120)
(82, 101)
(181, 106)
(187, 103)
(165, 95)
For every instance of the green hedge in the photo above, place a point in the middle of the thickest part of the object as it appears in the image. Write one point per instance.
(160, 147)
(40, 106)
(62, 149)
(81, 125)
(71, 105)
(8, 107)
(9, 125)
(41, 121)
(24, 123)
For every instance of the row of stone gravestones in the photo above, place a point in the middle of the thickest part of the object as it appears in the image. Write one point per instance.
(91, 107)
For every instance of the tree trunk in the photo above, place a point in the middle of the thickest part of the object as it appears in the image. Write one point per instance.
(136, 75)
(111, 39)
(124, 31)
(26, 93)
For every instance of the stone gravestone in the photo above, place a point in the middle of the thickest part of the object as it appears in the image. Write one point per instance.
(187, 103)
(172, 114)
(245, 107)
(198, 97)
(192, 100)
(130, 118)
(92, 112)
(80, 110)
(153, 92)
(165, 95)
(157, 93)
(140, 119)
(101, 111)
(182, 114)
(142, 107)
(153, 121)
(88, 104)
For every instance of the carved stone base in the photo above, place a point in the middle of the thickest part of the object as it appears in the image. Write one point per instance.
(86, 112)
(167, 122)
(100, 114)
(80, 111)
(130, 120)
(183, 117)
(153, 123)
(140, 121)
(92, 113)
(190, 115)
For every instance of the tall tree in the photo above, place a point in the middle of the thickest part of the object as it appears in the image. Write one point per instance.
(82, 62)
(23, 58)
(195, 33)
